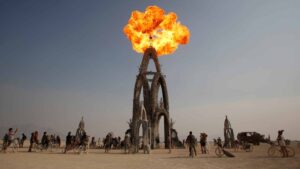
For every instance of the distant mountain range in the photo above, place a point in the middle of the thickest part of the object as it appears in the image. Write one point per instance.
(28, 129)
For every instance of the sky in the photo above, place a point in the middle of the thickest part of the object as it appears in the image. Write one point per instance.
(64, 59)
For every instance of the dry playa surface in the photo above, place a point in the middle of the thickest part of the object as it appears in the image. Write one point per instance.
(158, 159)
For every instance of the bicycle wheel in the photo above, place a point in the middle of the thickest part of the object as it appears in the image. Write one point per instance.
(251, 148)
(38, 148)
(291, 151)
(219, 151)
(15, 147)
(2, 147)
(272, 151)
(51, 147)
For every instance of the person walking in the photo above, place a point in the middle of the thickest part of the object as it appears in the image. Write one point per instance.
(127, 144)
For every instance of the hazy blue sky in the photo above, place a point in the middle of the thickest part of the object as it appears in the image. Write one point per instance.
(60, 60)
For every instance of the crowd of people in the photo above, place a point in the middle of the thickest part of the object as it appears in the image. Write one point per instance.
(191, 143)
(109, 142)
(46, 140)
(78, 141)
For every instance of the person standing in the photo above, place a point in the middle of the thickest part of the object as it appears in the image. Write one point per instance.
(281, 143)
(191, 141)
(127, 144)
(203, 141)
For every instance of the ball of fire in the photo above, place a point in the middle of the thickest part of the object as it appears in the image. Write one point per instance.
(154, 28)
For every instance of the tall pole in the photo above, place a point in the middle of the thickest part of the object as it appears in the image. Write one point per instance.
(170, 138)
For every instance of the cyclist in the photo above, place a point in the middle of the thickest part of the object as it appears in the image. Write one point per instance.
(68, 142)
(281, 143)
(9, 138)
(45, 141)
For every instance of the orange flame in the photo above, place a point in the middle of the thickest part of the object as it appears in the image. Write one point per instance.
(154, 28)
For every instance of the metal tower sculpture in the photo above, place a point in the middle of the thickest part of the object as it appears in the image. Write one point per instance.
(228, 134)
(80, 130)
(149, 111)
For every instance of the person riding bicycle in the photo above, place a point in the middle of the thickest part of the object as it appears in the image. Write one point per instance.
(9, 138)
(68, 142)
(24, 137)
(219, 142)
(84, 139)
(58, 141)
(34, 139)
(11, 135)
(45, 141)
(281, 143)
(93, 143)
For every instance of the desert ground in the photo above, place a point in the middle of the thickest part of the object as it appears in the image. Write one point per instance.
(158, 159)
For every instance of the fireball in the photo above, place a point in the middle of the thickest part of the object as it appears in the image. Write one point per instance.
(156, 29)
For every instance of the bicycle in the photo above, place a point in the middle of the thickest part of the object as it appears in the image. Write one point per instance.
(14, 145)
(275, 151)
(219, 151)
(247, 147)
(37, 147)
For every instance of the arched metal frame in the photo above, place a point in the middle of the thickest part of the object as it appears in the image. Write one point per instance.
(151, 99)
(145, 131)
